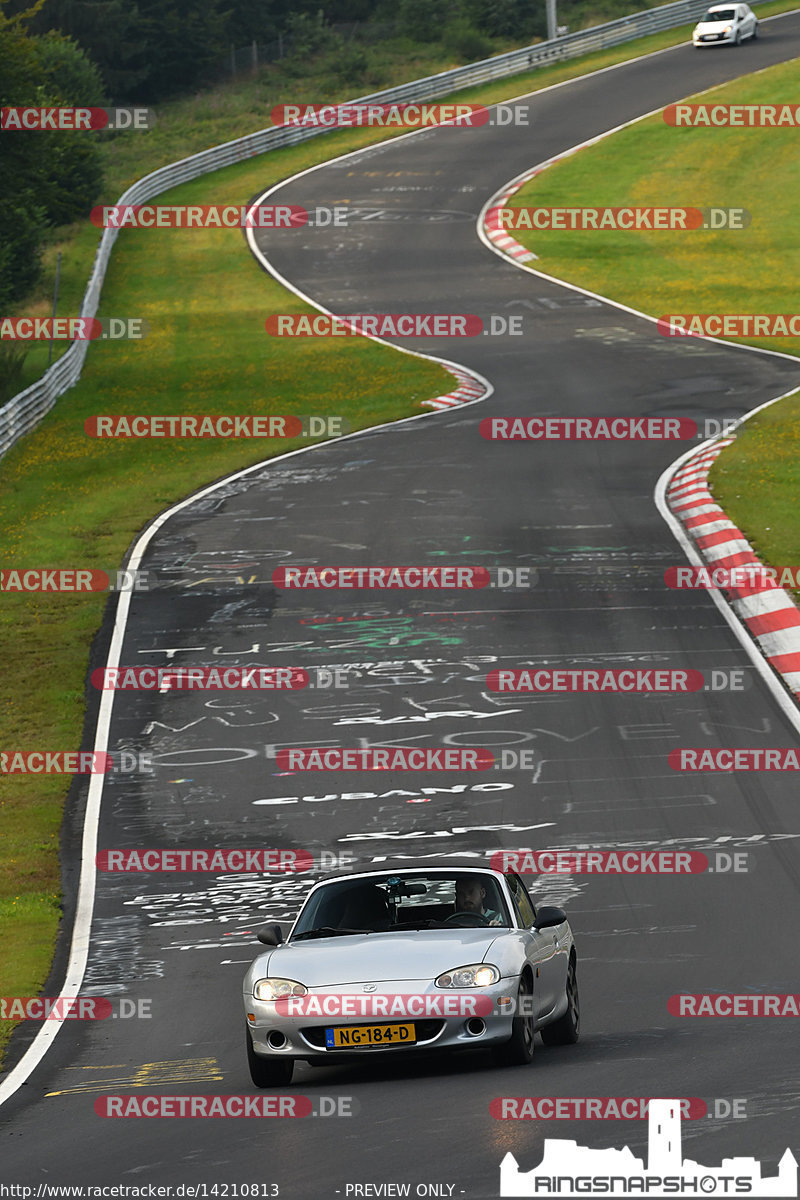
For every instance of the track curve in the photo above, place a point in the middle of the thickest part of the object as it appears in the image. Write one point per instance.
(432, 491)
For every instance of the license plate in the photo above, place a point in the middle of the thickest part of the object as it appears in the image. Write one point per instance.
(346, 1037)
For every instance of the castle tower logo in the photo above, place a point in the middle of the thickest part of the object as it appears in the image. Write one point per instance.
(568, 1169)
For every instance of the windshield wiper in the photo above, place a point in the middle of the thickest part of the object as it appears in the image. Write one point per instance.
(328, 931)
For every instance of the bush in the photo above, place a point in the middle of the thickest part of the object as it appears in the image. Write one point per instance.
(352, 65)
(12, 360)
(309, 34)
(424, 20)
(467, 43)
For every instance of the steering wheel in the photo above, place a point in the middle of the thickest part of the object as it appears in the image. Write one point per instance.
(467, 919)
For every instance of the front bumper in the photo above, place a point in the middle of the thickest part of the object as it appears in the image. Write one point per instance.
(303, 1036)
(713, 39)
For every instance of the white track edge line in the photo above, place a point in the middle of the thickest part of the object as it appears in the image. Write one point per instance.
(79, 948)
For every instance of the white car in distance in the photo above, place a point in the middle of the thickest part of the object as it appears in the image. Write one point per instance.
(725, 24)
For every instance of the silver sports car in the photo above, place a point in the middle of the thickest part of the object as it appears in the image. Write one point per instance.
(446, 956)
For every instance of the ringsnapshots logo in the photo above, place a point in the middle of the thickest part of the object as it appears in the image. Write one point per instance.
(567, 1169)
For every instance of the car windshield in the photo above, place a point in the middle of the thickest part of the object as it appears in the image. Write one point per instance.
(419, 900)
(718, 14)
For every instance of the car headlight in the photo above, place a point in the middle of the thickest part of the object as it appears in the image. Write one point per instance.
(728, 29)
(475, 975)
(276, 989)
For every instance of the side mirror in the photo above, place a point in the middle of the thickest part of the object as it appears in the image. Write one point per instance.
(270, 935)
(547, 916)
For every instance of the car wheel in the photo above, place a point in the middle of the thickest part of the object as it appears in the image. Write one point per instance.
(737, 41)
(566, 1030)
(518, 1050)
(267, 1072)
(755, 31)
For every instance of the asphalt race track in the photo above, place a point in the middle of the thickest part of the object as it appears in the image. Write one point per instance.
(433, 492)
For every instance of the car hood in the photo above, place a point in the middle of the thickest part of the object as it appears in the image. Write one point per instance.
(378, 957)
(714, 26)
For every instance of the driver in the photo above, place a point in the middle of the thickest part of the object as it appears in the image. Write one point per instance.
(470, 895)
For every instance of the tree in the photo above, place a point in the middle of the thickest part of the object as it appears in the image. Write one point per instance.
(50, 176)
(110, 33)
(22, 217)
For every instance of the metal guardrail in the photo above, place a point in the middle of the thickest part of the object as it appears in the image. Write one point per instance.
(24, 411)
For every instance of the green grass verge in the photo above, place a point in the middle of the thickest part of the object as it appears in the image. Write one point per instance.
(232, 110)
(66, 500)
(28, 924)
(651, 163)
(754, 270)
(757, 482)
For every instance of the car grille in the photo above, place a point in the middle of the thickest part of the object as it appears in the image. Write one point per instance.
(426, 1031)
